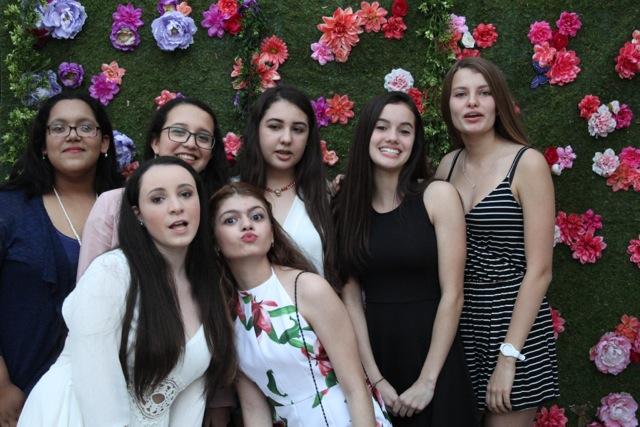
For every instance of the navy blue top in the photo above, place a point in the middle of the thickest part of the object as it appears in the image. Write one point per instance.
(35, 277)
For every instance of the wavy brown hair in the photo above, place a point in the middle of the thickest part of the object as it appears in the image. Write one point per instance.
(508, 123)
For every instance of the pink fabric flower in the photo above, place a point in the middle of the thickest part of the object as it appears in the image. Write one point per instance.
(164, 97)
(103, 89)
(630, 156)
(601, 123)
(595, 424)
(543, 54)
(329, 157)
(605, 164)
(634, 250)
(129, 14)
(274, 49)
(457, 24)
(611, 354)
(321, 52)
(568, 24)
(340, 32)
(566, 156)
(618, 410)
(628, 60)
(565, 68)
(588, 105)
(588, 248)
(552, 417)
(213, 21)
(232, 144)
(558, 322)
(539, 32)
(113, 72)
(372, 16)
(591, 222)
(623, 117)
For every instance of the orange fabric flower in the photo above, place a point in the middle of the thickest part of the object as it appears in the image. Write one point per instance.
(184, 8)
(340, 32)
(113, 72)
(372, 16)
(340, 109)
(274, 49)
(629, 327)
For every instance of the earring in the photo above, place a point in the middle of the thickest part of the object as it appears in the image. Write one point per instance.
(141, 222)
(44, 156)
(106, 155)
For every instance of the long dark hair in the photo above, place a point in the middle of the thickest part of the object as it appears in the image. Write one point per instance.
(352, 206)
(160, 338)
(283, 252)
(310, 175)
(36, 176)
(216, 173)
(508, 124)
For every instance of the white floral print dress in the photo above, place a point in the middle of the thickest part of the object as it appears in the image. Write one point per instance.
(272, 354)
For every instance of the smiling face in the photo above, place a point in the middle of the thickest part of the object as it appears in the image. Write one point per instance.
(473, 108)
(169, 207)
(193, 119)
(242, 228)
(392, 138)
(283, 132)
(73, 155)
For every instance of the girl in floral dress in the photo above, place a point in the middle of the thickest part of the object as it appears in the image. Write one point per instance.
(297, 351)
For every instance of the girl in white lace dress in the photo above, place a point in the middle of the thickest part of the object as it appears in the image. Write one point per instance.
(144, 320)
(296, 348)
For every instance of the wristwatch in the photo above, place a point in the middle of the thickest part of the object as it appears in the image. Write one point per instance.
(508, 350)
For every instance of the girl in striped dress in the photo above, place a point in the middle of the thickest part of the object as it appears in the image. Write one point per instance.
(508, 198)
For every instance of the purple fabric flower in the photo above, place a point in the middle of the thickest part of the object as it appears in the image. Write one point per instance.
(129, 14)
(71, 74)
(45, 85)
(251, 5)
(320, 108)
(124, 36)
(322, 52)
(64, 18)
(164, 6)
(173, 30)
(125, 149)
(213, 19)
(103, 89)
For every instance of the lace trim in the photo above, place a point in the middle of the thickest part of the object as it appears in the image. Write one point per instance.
(155, 404)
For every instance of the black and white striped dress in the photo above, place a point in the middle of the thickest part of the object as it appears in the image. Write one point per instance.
(494, 270)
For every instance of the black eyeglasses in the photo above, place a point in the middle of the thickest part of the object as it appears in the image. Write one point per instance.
(203, 139)
(63, 130)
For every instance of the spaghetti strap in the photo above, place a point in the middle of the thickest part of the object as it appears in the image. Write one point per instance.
(512, 169)
(453, 165)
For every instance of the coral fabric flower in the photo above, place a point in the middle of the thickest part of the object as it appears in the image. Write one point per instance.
(628, 60)
(588, 248)
(552, 417)
(623, 178)
(558, 322)
(129, 14)
(233, 25)
(184, 8)
(601, 123)
(565, 68)
(634, 250)
(329, 157)
(372, 16)
(322, 52)
(399, 8)
(232, 144)
(568, 24)
(213, 20)
(417, 97)
(340, 32)
(539, 32)
(71, 74)
(618, 410)
(628, 327)
(164, 97)
(228, 7)
(113, 72)
(623, 117)
(544, 54)
(340, 109)
(588, 105)
(394, 28)
(398, 80)
(103, 89)
(605, 164)
(611, 354)
(274, 49)
(320, 109)
(485, 35)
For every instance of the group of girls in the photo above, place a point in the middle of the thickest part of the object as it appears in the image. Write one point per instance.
(379, 307)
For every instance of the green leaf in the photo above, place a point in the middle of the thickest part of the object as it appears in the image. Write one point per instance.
(272, 386)
(282, 311)
(330, 380)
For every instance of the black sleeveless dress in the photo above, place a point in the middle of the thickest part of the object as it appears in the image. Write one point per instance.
(402, 293)
(493, 274)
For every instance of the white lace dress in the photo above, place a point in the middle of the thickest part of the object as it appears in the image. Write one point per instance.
(86, 387)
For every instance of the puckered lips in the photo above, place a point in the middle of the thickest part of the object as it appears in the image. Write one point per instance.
(249, 237)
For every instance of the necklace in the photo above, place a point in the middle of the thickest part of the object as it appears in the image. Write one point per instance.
(66, 215)
(464, 172)
(278, 191)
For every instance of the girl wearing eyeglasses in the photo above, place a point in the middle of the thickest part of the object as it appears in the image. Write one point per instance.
(69, 159)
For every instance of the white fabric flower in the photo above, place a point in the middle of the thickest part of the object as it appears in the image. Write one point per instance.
(398, 80)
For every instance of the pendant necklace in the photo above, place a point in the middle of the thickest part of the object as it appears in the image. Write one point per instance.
(278, 191)
(66, 215)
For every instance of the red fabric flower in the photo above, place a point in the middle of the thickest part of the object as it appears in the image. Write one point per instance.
(551, 155)
(559, 41)
(588, 248)
(565, 68)
(570, 227)
(129, 169)
(340, 109)
(466, 53)
(340, 32)
(628, 327)
(416, 96)
(485, 35)
(568, 24)
(588, 105)
(552, 417)
(233, 25)
(394, 28)
(628, 60)
(399, 8)
(228, 7)
(558, 323)
(372, 16)
(274, 49)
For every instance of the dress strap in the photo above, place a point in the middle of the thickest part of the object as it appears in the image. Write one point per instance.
(453, 165)
(512, 169)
